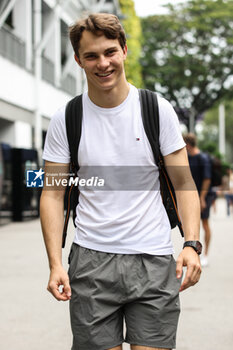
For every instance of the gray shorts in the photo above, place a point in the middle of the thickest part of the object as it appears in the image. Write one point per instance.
(108, 288)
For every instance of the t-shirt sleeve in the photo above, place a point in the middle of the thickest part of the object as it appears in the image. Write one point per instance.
(170, 137)
(56, 147)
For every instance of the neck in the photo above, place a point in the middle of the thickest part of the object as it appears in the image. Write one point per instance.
(109, 98)
(194, 151)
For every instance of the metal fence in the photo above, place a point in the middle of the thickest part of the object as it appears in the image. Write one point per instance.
(47, 70)
(13, 48)
(68, 84)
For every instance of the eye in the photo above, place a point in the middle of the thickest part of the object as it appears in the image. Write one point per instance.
(90, 57)
(111, 53)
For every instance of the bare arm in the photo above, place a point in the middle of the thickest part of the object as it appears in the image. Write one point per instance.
(52, 219)
(204, 190)
(188, 203)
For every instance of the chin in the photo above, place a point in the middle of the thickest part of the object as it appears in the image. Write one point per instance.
(106, 86)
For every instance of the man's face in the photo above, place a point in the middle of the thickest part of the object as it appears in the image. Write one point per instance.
(102, 60)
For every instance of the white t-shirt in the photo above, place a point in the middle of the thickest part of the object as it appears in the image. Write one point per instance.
(126, 221)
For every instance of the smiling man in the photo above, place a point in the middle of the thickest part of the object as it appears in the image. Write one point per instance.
(121, 262)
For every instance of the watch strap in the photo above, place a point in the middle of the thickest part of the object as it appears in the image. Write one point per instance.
(196, 245)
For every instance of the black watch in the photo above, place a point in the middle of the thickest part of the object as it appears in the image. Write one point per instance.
(196, 245)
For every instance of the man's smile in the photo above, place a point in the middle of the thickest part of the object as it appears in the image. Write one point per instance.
(103, 75)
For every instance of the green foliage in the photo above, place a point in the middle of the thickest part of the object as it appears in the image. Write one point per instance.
(132, 26)
(210, 128)
(187, 54)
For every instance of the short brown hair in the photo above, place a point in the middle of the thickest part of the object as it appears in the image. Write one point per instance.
(190, 139)
(99, 24)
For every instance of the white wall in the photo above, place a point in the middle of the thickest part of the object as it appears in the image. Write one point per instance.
(51, 99)
(17, 134)
(23, 135)
(17, 86)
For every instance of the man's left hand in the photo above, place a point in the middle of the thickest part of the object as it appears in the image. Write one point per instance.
(189, 258)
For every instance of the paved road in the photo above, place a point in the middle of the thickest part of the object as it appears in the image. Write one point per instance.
(30, 319)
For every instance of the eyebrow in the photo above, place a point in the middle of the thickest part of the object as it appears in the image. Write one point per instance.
(107, 50)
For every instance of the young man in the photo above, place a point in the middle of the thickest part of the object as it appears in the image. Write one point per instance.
(121, 263)
(201, 171)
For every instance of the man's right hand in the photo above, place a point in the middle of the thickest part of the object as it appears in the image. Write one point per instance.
(59, 278)
(202, 203)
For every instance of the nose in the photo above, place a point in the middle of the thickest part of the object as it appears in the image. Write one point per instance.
(102, 63)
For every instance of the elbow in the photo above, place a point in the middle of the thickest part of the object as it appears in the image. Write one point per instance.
(184, 184)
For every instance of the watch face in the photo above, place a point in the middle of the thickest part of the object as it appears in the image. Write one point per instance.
(199, 247)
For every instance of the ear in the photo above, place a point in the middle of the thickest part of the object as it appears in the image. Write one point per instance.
(77, 59)
(125, 50)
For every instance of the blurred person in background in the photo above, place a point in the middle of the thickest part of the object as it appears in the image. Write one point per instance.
(200, 166)
(227, 188)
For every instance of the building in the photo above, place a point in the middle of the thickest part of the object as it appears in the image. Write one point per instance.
(37, 67)
(38, 75)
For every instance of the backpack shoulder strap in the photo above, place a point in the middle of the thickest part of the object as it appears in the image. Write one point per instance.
(150, 117)
(74, 113)
(73, 116)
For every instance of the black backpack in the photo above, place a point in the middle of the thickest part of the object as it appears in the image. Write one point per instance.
(216, 168)
(150, 116)
(216, 171)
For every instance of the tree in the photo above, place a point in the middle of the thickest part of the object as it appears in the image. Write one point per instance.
(132, 26)
(210, 129)
(187, 55)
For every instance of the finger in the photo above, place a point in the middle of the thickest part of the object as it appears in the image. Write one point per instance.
(196, 274)
(54, 290)
(179, 268)
(193, 276)
(67, 289)
(187, 282)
